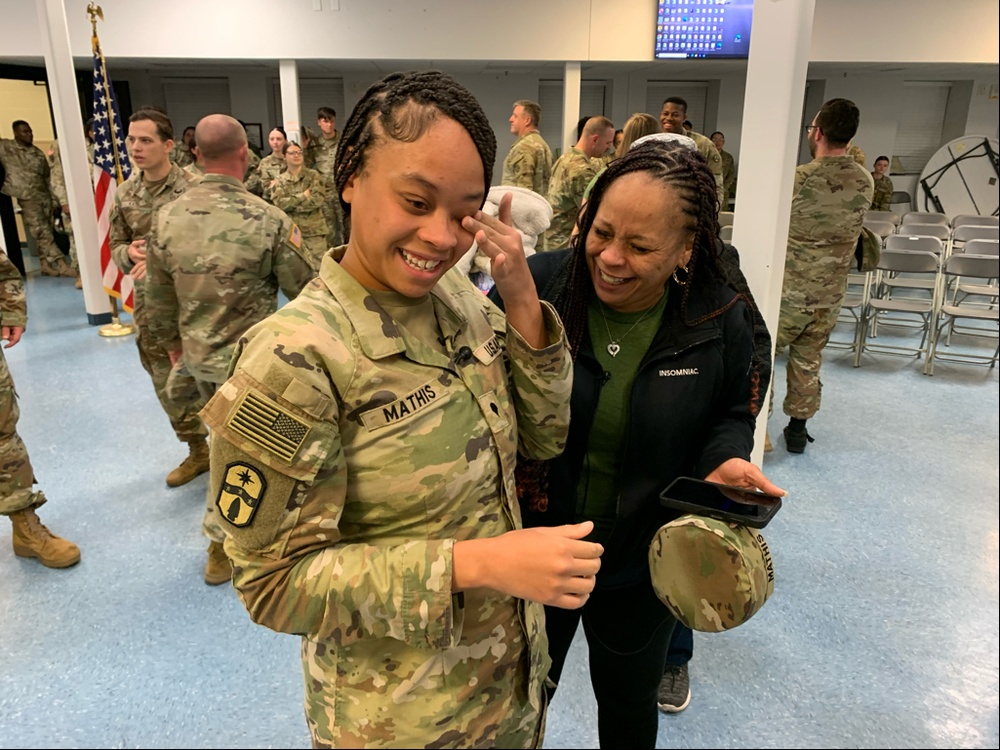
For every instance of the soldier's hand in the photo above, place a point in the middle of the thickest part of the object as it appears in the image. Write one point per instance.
(137, 251)
(551, 565)
(65, 209)
(138, 272)
(10, 334)
(499, 241)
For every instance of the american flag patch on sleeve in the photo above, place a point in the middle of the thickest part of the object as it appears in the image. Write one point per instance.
(268, 425)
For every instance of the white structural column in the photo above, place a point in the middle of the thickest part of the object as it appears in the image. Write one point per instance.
(571, 102)
(72, 148)
(288, 72)
(772, 117)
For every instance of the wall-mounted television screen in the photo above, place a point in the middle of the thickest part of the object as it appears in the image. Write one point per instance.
(703, 28)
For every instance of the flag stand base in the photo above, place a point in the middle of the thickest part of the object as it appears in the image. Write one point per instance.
(116, 328)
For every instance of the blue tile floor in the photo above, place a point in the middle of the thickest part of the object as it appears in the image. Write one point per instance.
(882, 631)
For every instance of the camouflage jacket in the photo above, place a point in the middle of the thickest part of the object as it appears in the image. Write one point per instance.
(307, 212)
(134, 209)
(27, 171)
(728, 178)
(57, 178)
(529, 164)
(831, 197)
(252, 161)
(348, 457)
(259, 181)
(181, 155)
(322, 154)
(857, 153)
(13, 302)
(882, 199)
(571, 174)
(707, 149)
(214, 263)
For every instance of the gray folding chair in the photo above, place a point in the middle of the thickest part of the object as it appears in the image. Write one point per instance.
(966, 232)
(926, 217)
(907, 283)
(882, 228)
(726, 233)
(914, 263)
(973, 219)
(908, 227)
(852, 311)
(726, 218)
(892, 216)
(963, 289)
(967, 266)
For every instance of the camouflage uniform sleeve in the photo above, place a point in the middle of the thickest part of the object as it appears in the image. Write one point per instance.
(542, 382)
(13, 303)
(291, 267)
(253, 181)
(162, 311)
(292, 568)
(57, 180)
(287, 197)
(121, 237)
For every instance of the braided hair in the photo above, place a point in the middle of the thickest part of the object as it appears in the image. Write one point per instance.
(402, 106)
(571, 289)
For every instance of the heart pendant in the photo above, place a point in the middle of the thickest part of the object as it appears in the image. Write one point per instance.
(613, 349)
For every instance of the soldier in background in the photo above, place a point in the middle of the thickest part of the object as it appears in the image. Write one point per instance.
(571, 174)
(882, 200)
(215, 262)
(321, 156)
(154, 183)
(832, 194)
(28, 181)
(673, 115)
(57, 183)
(301, 193)
(182, 155)
(17, 499)
(261, 180)
(728, 169)
(529, 161)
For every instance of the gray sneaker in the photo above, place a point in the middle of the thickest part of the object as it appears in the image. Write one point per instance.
(675, 690)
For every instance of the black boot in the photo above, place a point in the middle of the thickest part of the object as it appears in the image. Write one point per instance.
(796, 436)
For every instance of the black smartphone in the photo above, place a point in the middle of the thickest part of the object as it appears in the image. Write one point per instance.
(721, 501)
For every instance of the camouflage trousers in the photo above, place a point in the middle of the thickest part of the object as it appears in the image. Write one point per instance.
(804, 332)
(68, 225)
(16, 474)
(37, 218)
(184, 401)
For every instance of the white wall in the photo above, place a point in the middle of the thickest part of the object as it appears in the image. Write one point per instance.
(586, 30)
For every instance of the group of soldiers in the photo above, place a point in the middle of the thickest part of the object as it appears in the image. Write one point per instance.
(529, 162)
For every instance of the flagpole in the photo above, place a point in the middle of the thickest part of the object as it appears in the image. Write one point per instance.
(115, 327)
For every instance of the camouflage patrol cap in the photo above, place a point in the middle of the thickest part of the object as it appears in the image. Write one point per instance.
(710, 574)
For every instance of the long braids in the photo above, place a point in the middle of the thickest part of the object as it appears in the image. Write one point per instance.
(571, 288)
(401, 106)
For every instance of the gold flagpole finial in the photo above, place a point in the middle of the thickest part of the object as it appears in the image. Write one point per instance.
(95, 12)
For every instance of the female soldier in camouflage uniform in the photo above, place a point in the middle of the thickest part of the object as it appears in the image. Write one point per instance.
(301, 193)
(261, 180)
(882, 199)
(363, 448)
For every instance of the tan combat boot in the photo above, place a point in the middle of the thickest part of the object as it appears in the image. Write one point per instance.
(78, 283)
(56, 268)
(218, 569)
(194, 465)
(767, 443)
(32, 539)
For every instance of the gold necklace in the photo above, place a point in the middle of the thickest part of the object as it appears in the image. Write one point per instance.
(614, 344)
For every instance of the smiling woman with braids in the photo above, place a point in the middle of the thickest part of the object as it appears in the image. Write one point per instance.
(663, 387)
(363, 448)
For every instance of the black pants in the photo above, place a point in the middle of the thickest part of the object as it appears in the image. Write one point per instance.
(628, 631)
(681, 646)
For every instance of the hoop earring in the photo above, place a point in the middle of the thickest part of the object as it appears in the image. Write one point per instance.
(687, 275)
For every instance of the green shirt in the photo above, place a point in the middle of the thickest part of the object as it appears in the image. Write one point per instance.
(598, 489)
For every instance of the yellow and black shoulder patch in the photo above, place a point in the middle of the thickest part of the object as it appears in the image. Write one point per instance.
(269, 425)
(243, 488)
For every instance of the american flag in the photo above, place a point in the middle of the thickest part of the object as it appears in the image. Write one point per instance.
(111, 168)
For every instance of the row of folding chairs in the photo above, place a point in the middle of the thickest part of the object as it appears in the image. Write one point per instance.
(920, 291)
(954, 233)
